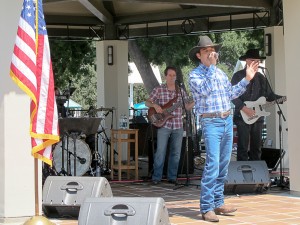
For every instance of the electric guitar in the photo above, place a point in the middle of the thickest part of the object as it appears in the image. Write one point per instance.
(259, 106)
(159, 119)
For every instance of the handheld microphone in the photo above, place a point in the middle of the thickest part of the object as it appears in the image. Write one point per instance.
(216, 55)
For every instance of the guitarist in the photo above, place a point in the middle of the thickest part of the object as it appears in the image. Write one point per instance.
(172, 130)
(250, 134)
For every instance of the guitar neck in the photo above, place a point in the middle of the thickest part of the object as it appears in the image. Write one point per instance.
(173, 107)
(282, 99)
(178, 104)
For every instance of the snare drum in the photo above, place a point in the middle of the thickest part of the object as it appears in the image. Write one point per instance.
(83, 159)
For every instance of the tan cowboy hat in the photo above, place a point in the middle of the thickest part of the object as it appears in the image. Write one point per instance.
(204, 42)
(251, 54)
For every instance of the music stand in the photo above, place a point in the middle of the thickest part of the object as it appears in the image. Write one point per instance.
(74, 127)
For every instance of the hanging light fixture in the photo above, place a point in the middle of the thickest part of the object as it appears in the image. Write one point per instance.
(110, 56)
(268, 44)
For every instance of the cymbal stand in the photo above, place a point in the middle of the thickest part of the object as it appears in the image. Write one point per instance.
(96, 169)
(74, 136)
(97, 157)
(107, 142)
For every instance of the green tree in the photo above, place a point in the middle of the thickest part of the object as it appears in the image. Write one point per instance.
(74, 62)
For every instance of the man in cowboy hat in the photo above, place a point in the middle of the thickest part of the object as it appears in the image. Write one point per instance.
(212, 93)
(250, 132)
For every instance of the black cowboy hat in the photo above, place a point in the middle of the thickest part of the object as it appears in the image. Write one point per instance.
(251, 54)
(204, 42)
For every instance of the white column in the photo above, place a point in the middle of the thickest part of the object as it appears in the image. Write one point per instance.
(275, 73)
(16, 163)
(292, 67)
(112, 80)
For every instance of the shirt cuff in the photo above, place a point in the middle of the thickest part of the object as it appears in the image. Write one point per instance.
(244, 82)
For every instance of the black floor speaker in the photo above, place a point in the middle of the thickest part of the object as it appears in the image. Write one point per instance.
(124, 210)
(247, 177)
(63, 196)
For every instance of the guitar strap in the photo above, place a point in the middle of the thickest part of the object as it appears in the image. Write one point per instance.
(177, 92)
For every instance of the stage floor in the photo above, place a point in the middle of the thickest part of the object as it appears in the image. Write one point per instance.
(275, 206)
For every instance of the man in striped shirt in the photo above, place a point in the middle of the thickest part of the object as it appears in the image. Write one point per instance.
(213, 92)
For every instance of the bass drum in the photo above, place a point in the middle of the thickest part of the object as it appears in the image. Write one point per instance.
(83, 159)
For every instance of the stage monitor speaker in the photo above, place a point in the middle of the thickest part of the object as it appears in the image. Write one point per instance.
(123, 210)
(272, 157)
(63, 196)
(247, 177)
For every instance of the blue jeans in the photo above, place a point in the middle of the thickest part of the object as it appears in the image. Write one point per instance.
(218, 137)
(163, 136)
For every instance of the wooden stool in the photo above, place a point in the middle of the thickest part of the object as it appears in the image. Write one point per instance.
(117, 139)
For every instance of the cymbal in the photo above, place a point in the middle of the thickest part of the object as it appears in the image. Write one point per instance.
(105, 109)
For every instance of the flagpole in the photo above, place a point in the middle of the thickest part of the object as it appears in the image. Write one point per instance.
(37, 219)
(36, 187)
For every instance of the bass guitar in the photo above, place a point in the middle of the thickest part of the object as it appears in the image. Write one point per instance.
(259, 106)
(159, 119)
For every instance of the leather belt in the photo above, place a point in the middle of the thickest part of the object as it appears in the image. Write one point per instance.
(216, 114)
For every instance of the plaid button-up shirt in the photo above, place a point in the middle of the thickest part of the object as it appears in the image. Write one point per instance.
(161, 96)
(212, 90)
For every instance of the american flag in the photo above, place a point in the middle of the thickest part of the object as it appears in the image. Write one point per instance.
(31, 69)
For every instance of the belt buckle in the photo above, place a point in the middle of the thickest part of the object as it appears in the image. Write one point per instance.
(224, 114)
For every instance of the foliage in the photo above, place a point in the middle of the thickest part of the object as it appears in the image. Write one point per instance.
(140, 93)
(168, 50)
(74, 63)
(86, 89)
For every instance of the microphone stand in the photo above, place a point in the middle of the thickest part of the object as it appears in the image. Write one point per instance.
(188, 133)
(280, 117)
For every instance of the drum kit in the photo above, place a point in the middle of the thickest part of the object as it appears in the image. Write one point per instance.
(77, 153)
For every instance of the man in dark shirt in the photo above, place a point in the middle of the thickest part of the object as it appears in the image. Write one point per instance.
(250, 132)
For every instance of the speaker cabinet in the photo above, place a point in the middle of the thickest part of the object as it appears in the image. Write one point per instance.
(63, 196)
(145, 133)
(123, 210)
(247, 177)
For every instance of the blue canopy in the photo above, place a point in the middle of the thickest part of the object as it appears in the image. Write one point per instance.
(140, 105)
(72, 104)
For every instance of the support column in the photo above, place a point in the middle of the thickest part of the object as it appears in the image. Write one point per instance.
(16, 163)
(276, 75)
(112, 80)
(292, 67)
